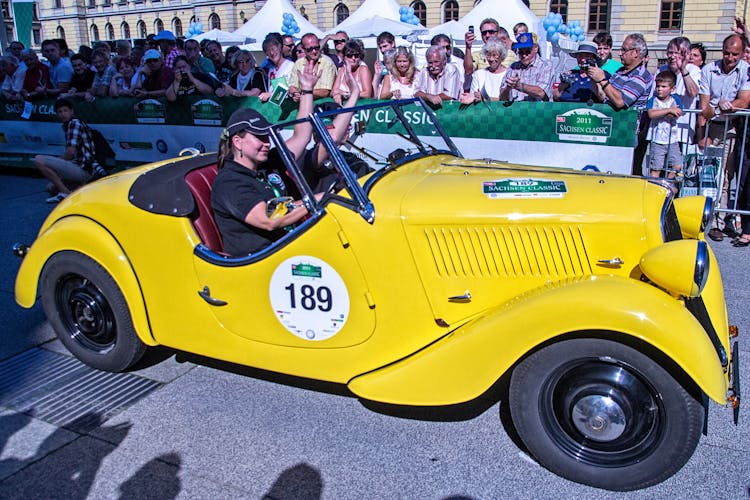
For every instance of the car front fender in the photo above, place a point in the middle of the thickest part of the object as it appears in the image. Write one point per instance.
(464, 364)
(84, 235)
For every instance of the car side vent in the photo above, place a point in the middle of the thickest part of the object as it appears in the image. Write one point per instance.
(670, 225)
(552, 252)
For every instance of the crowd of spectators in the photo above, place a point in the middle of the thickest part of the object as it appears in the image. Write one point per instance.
(503, 69)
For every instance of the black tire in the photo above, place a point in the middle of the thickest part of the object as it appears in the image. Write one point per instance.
(88, 312)
(603, 414)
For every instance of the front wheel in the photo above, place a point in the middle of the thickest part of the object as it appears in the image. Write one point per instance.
(88, 312)
(603, 414)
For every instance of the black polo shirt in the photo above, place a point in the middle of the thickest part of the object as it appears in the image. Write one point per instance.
(236, 190)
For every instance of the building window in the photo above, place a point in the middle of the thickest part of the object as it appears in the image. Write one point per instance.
(58, 4)
(598, 16)
(560, 7)
(450, 11)
(94, 33)
(6, 13)
(420, 10)
(158, 26)
(61, 32)
(340, 12)
(91, 4)
(110, 30)
(214, 22)
(671, 15)
(125, 30)
(36, 35)
(141, 27)
(177, 27)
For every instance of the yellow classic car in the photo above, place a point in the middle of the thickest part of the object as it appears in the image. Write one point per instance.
(419, 278)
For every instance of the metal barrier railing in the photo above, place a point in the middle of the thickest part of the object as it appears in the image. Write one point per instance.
(722, 158)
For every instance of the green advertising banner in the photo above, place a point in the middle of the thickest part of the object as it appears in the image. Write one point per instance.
(142, 130)
(23, 15)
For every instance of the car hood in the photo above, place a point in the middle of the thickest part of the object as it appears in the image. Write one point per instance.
(483, 192)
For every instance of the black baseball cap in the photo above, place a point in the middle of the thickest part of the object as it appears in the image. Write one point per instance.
(247, 119)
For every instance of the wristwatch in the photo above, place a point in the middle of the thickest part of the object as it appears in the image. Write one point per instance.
(303, 91)
(717, 111)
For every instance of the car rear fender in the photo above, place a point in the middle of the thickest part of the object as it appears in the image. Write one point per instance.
(464, 364)
(84, 235)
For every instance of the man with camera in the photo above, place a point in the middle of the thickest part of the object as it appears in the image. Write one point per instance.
(576, 85)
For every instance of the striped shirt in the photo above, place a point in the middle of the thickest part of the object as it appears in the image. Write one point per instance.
(634, 86)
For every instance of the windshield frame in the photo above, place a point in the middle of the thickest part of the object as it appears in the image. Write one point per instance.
(359, 193)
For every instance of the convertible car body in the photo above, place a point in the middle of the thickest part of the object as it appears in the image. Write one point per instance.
(423, 282)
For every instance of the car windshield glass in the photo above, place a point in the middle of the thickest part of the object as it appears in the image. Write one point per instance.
(385, 134)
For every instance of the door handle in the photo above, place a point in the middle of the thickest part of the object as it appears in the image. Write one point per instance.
(205, 294)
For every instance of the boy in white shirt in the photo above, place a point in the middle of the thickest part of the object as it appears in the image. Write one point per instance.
(664, 108)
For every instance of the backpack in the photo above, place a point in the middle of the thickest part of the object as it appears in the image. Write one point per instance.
(103, 152)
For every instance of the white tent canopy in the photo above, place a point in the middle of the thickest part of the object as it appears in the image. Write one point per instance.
(223, 37)
(373, 26)
(370, 8)
(271, 18)
(508, 13)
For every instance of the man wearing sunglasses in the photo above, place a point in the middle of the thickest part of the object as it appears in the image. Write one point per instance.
(339, 41)
(629, 86)
(529, 78)
(323, 66)
(488, 28)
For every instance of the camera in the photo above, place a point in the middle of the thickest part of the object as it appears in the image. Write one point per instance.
(568, 78)
(588, 63)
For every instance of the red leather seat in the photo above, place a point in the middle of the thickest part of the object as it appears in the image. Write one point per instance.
(199, 181)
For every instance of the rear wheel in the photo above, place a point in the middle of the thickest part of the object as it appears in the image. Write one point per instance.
(88, 312)
(603, 414)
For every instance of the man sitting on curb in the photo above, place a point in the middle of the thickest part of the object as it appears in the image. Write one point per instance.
(77, 164)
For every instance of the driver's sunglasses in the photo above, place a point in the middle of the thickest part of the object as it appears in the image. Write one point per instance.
(311, 49)
(488, 32)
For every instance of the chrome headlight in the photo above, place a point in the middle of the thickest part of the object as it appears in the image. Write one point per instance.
(694, 214)
(680, 267)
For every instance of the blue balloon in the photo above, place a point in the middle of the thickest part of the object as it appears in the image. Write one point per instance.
(556, 22)
(554, 38)
(410, 10)
(558, 18)
(550, 31)
(563, 29)
(402, 10)
(199, 26)
(545, 23)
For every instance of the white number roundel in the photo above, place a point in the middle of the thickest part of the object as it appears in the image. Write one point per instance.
(309, 298)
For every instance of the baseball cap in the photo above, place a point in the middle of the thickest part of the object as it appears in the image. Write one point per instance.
(151, 54)
(586, 48)
(524, 41)
(247, 119)
(164, 35)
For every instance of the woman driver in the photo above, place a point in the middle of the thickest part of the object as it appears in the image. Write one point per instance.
(241, 191)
